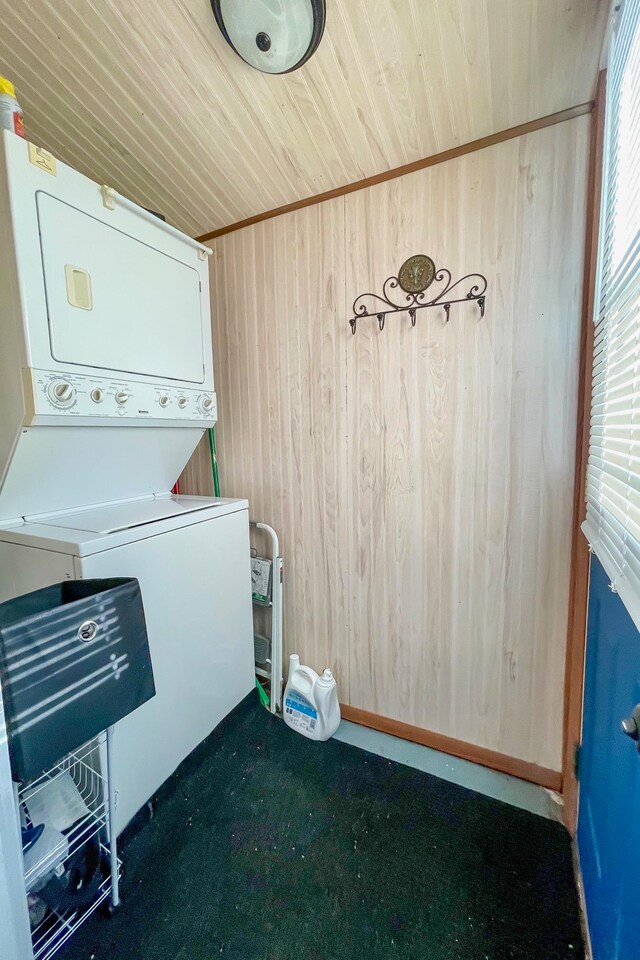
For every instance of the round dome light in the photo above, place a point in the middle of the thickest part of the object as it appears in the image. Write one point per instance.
(274, 36)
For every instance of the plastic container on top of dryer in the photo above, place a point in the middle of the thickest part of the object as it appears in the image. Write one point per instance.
(11, 117)
(311, 701)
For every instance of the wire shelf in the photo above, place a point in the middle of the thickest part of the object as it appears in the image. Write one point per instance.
(92, 787)
(56, 927)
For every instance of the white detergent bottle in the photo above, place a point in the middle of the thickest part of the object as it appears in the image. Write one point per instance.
(311, 702)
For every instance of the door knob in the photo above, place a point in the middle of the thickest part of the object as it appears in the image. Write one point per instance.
(631, 725)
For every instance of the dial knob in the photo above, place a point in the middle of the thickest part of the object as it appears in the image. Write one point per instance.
(182, 402)
(97, 395)
(61, 393)
(164, 400)
(205, 403)
(121, 397)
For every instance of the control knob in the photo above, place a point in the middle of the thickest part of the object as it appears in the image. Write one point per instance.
(61, 393)
(164, 400)
(205, 403)
(182, 402)
(96, 395)
(121, 397)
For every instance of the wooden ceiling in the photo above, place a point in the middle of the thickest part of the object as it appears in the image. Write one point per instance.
(145, 94)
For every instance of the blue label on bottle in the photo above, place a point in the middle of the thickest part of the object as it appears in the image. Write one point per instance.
(299, 703)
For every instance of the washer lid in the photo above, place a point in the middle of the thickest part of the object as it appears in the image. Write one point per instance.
(123, 516)
(85, 532)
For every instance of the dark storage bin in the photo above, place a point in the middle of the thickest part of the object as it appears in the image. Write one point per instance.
(74, 659)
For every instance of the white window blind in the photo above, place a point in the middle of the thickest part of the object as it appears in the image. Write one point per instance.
(613, 475)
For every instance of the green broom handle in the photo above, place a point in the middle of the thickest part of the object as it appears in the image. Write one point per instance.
(214, 462)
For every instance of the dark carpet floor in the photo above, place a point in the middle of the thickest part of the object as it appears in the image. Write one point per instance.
(267, 846)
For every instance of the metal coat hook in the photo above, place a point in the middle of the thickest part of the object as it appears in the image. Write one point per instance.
(414, 277)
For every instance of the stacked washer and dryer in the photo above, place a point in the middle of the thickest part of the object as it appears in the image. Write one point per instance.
(106, 388)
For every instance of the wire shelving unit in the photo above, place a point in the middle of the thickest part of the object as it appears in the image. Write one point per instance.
(99, 800)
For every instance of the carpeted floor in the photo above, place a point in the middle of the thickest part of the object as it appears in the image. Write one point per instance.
(266, 846)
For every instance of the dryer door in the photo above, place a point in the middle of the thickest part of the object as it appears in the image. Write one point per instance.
(116, 303)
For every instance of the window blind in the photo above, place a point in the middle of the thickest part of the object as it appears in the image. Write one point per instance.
(612, 524)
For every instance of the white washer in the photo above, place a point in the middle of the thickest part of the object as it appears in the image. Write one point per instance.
(191, 556)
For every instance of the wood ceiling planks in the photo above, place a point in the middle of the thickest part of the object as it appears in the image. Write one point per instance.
(148, 97)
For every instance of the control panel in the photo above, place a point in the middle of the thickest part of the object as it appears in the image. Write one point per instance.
(77, 395)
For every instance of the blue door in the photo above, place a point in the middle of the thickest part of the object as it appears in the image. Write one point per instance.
(609, 814)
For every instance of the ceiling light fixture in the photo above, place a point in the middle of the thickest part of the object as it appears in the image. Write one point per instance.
(274, 36)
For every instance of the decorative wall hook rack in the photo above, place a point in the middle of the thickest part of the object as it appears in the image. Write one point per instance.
(414, 277)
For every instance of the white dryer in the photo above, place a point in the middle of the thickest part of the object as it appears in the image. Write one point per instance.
(106, 369)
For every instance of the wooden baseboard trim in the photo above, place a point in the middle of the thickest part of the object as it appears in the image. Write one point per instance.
(509, 134)
(457, 748)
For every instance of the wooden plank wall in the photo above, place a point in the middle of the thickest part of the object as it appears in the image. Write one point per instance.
(421, 480)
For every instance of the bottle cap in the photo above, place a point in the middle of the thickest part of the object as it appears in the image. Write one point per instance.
(7, 87)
